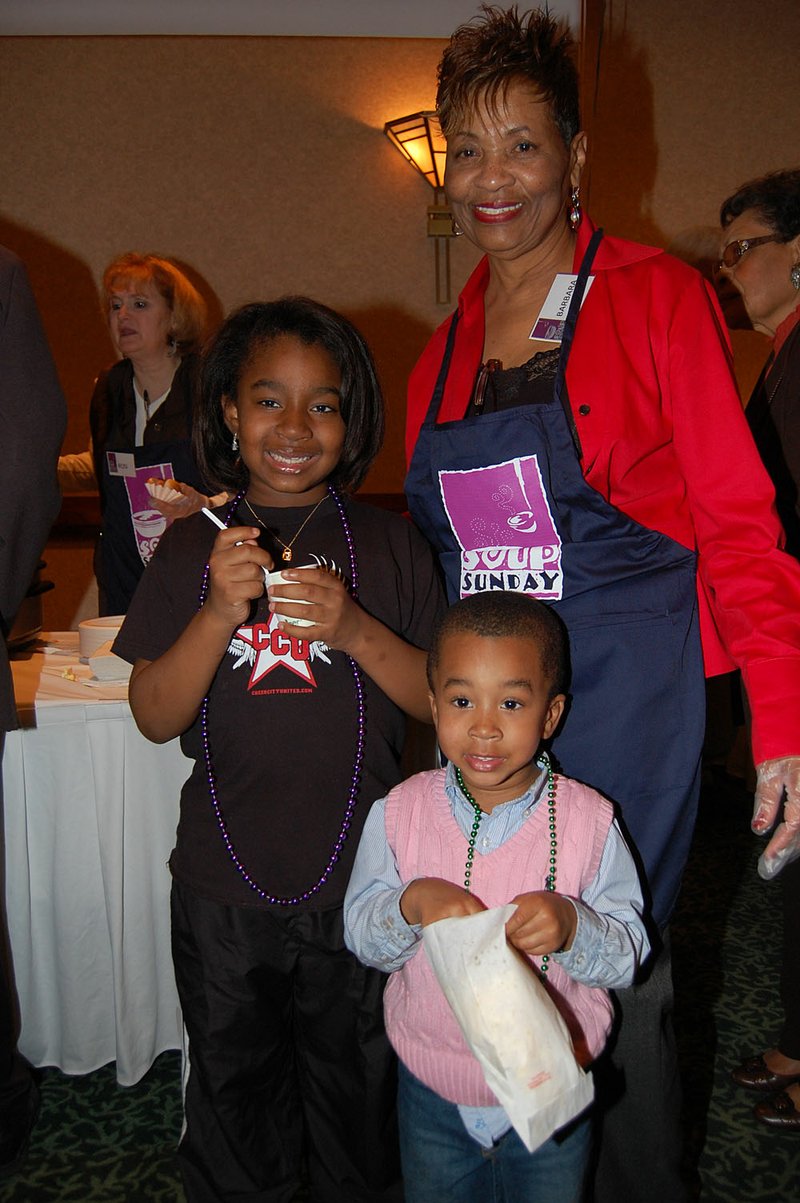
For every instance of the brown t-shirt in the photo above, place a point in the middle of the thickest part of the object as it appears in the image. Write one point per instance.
(282, 715)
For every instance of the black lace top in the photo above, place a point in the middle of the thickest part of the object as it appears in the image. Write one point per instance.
(506, 388)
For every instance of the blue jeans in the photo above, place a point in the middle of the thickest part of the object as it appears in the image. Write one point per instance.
(443, 1164)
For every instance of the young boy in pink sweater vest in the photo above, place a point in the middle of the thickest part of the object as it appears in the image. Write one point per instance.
(496, 825)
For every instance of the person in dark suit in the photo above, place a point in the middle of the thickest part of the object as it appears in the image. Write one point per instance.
(32, 422)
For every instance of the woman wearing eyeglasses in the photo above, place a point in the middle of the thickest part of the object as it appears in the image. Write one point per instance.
(760, 256)
(602, 463)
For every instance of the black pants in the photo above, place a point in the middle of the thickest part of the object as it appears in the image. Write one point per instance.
(639, 1097)
(789, 1040)
(289, 1064)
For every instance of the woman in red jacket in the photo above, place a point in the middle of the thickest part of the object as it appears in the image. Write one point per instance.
(575, 433)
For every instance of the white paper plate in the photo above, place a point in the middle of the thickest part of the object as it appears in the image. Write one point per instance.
(108, 667)
(164, 493)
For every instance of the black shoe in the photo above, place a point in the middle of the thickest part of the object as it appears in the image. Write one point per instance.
(16, 1125)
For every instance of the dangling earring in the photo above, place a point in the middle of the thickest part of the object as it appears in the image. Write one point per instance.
(794, 276)
(235, 442)
(172, 346)
(575, 208)
(456, 228)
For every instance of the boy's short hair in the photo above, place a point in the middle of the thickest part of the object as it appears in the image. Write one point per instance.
(502, 615)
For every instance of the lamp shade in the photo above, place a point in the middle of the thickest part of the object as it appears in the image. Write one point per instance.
(419, 139)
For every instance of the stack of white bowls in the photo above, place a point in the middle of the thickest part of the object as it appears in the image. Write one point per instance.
(93, 632)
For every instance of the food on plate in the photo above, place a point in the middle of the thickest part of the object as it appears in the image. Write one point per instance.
(167, 482)
(165, 490)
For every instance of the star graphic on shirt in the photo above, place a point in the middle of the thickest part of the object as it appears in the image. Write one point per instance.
(265, 647)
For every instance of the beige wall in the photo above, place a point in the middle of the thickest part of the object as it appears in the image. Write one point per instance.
(260, 164)
(688, 101)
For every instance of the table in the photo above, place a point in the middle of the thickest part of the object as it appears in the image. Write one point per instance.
(91, 809)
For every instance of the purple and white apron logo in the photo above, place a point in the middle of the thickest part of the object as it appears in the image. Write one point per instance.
(501, 519)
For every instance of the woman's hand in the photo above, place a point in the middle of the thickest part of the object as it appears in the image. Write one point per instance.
(429, 899)
(542, 923)
(236, 575)
(778, 796)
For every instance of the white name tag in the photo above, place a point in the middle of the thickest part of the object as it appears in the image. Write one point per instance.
(549, 325)
(120, 463)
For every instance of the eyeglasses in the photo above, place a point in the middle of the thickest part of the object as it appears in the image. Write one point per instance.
(740, 246)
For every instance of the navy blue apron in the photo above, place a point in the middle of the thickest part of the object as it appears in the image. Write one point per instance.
(503, 500)
(131, 527)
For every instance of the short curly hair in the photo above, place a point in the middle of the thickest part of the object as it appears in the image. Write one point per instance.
(776, 199)
(187, 307)
(499, 47)
(502, 615)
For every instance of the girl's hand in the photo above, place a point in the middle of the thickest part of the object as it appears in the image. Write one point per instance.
(396, 667)
(236, 575)
(337, 618)
(542, 923)
(429, 899)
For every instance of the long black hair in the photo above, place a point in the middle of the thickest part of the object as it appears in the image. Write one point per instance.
(252, 326)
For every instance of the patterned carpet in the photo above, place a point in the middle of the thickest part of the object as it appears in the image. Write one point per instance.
(99, 1143)
(725, 955)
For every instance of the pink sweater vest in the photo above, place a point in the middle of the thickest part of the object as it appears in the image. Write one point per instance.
(428, 843)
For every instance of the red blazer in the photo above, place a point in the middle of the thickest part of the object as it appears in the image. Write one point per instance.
(665, 439)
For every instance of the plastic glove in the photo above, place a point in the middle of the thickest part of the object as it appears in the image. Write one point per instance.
(778, 781)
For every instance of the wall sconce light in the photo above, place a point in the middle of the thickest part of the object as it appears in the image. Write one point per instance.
(420, 140)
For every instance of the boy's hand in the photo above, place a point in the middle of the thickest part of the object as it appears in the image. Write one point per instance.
(542, 923)
(428, 899)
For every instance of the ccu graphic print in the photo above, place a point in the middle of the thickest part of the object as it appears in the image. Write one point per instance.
(501, 519)
(263, 647)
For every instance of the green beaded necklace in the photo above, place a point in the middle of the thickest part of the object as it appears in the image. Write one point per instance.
(550, 880)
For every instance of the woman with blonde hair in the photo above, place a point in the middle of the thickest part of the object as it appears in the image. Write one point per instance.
(140, 417)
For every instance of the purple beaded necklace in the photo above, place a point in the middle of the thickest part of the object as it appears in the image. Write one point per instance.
(276, 899)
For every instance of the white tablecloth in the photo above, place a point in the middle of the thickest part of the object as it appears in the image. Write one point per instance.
(90, 814)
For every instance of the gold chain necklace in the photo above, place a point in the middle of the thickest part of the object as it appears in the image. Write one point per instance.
(286, 554)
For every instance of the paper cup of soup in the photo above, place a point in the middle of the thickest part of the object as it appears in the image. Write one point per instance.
(277, 578)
